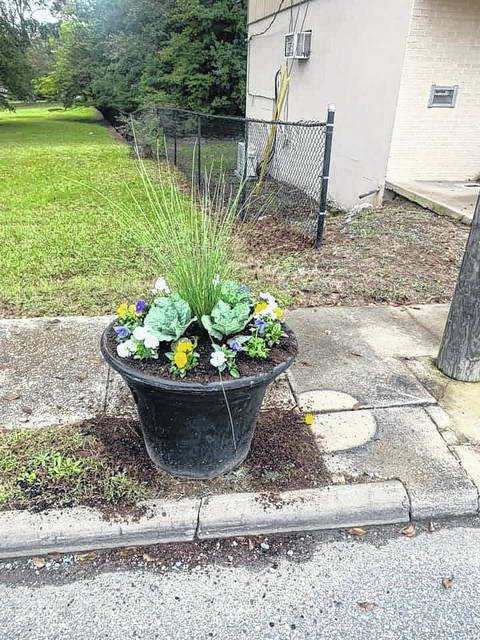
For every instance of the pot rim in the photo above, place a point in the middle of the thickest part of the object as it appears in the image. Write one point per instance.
(175, 385)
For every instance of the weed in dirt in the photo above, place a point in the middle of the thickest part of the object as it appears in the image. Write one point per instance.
(104, 464)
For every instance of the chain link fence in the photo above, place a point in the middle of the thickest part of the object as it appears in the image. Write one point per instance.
(275, 168)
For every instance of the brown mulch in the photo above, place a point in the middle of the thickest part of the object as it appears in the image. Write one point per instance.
(284, 455)
(396, 254)
(204, 372)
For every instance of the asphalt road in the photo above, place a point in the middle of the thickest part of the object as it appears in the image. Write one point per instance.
(298, 587)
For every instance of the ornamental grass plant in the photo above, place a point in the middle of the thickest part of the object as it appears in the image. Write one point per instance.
(189, 238)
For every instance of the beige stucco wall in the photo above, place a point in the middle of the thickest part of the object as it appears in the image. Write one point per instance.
(443, 49)
(357, 54)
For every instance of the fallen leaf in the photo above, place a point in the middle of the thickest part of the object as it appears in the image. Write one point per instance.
(94, 361)
(54, 321)
(55, 556)
(357, 531)
(148, 557)
(87, 557)
(447, 582)
(357, 405)
(39, 562)
(368, 606)
(82, 376)
(11, 396)
(408, 531)
(251, 544)
(431, 527)
(27, 410)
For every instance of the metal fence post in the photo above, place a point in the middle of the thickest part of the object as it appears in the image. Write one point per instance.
(243, 192)
(322, 207)
(199, 143)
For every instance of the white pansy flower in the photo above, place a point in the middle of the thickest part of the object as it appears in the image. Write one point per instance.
(122, 350)
(161, 286)
(269, 299)
(140, 333)
(131, 345)
(217, 358)
(125, 349)
(151, 342)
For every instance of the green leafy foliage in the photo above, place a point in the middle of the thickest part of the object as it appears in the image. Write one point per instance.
(256, 347)
(232, 294)
(169, 317)
(273, 332)
(123, 54)
(226, 320)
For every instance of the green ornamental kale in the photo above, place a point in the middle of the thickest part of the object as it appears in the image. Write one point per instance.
(232, 294)
(226, 319)
(169, 317)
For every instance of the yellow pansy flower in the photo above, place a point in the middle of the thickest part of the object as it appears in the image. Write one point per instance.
(180, 359)
(183, 347)
(308, 419)
(261, 306)
(131, 308)
(278, 312)
(122, 310)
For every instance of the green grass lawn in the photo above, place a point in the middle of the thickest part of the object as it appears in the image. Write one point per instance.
(62, 250)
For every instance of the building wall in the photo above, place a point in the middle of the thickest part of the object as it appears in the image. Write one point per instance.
(357, 54)
(444, 49)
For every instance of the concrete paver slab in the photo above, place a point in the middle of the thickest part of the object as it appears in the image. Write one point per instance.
(470, 458)
(459, 400)
(346, 350)
(343, 430)
(52, 370)
(408, 446)
(450, 198)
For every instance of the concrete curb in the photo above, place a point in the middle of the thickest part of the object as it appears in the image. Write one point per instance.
(81, 529)
(308, 510)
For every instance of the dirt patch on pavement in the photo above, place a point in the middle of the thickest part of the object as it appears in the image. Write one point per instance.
(396, 254)
(103, 463)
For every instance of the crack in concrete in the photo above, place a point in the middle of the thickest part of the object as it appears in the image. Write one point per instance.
(197, 527)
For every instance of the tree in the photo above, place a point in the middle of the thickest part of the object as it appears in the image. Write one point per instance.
(459, 356)
(23, 55)
(123, 54)
(204, 64)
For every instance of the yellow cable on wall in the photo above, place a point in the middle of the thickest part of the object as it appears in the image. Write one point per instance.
(277, 112)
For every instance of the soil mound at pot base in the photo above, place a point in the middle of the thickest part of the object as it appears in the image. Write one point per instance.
(284, 455)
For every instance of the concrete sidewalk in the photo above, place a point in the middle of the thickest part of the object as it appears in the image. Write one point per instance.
(383, 414)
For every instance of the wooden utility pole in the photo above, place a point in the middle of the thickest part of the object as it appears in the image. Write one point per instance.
(459, 355)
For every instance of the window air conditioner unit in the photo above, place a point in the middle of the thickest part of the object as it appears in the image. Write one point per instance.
(251, 158)
(297, 45)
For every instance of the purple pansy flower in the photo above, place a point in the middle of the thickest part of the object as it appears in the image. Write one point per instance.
(140, 306)
(235, 345)
(261, 326)
(122, 332)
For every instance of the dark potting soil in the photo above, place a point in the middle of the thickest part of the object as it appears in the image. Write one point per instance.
(284, 455)
(204, 372)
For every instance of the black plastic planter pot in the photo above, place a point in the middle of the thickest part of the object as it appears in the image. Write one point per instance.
(193, 430)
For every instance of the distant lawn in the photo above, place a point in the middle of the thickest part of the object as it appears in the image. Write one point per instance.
(61, 251)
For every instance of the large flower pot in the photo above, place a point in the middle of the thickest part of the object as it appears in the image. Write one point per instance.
(193, 430)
